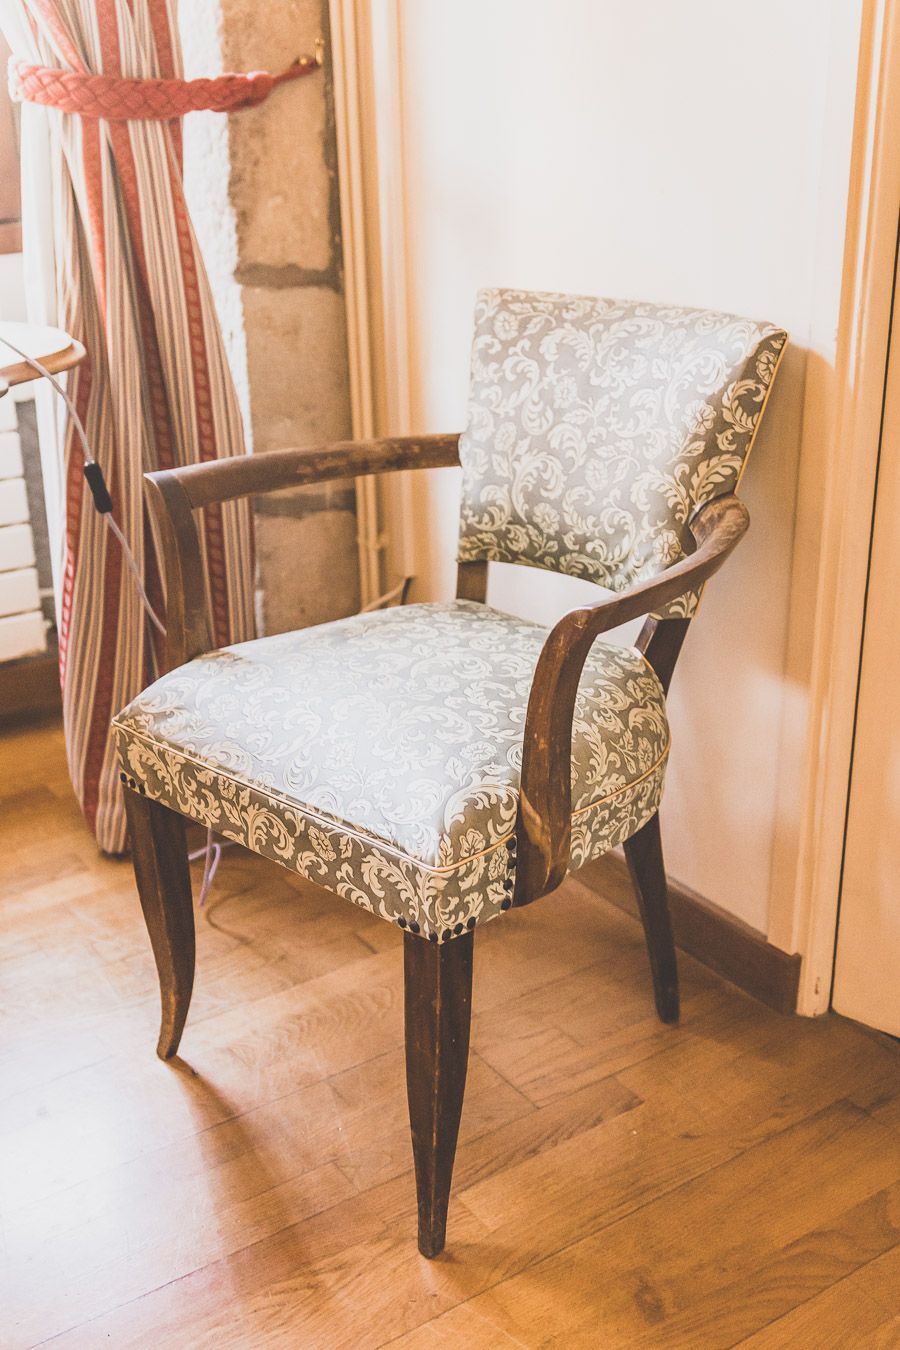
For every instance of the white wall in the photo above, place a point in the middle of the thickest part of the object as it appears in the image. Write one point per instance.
(695, 152)
(12, 287)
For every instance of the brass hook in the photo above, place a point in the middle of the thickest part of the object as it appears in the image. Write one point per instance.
(317, 60)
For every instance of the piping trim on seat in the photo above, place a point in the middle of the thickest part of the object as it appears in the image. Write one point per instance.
(342, 826)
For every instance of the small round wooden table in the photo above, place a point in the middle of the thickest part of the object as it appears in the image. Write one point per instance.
(51, 346)
(29, 684)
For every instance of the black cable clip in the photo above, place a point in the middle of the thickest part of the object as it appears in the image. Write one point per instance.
(96, 482)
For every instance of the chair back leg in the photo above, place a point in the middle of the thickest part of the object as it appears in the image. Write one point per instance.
(644, 855)
(159, 854)
(438, 1008)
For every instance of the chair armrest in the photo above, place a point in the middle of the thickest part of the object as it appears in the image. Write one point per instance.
(221, 480)
(174, 494)
(544, 826)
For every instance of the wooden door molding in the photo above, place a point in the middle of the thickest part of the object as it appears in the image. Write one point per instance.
(367, 64)
(842, 416)
(10, 200)
(867, 952)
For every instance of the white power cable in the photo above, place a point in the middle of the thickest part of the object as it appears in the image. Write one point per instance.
(212, 849)
(89, 459)
(133, 568)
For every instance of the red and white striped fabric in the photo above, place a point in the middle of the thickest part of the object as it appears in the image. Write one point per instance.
(156, 390)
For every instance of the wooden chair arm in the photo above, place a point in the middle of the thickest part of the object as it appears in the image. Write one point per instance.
(221, 480)
(544, 825)
(174, 494)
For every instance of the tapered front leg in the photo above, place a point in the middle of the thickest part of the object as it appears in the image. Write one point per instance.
(159, 854)
(643, 852)
(438, 1004)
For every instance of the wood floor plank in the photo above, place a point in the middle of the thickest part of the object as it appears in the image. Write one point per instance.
(862, 1310)
(244, 1179)
(722, 1254)
(735, 1179)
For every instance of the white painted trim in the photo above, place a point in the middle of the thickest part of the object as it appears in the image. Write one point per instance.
(368, 97)
(837, 479)
(349, 116)
(394, 366)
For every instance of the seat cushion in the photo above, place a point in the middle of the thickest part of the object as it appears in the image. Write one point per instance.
(380, 755)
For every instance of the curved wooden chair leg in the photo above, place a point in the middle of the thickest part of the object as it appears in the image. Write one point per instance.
(159, 855)
(438, 1006)
(643, 852)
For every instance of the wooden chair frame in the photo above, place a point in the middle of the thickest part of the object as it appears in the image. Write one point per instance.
(438, 977)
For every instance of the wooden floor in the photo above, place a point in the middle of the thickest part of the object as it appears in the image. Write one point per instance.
(619, 1183)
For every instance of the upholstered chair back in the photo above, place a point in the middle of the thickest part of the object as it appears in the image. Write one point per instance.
(597, 427)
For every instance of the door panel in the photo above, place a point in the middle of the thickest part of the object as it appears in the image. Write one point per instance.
(867, 968)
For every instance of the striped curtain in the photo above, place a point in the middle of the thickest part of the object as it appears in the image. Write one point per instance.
(127, 279)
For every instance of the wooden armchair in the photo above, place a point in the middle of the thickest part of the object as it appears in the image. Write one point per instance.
(441, 764)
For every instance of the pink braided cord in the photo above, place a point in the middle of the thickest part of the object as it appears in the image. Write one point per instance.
(124, 100)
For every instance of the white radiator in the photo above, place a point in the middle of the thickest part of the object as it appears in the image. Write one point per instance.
(23, 630)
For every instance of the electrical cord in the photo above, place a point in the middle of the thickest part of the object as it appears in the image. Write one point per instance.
(93, 475)
(94, 478)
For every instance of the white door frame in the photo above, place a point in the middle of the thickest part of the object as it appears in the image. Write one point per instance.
(367, 63)
(842, 419)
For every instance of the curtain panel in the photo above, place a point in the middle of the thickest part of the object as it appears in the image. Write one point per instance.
(111, 257)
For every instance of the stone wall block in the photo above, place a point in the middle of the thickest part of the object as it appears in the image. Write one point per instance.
(282, 162)
(314, 559)
(297, 365)
(265, 196)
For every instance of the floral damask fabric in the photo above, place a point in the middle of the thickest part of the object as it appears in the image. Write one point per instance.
(597, 427)
(380, 755)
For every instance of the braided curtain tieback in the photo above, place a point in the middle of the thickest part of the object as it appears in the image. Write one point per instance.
(123, 100)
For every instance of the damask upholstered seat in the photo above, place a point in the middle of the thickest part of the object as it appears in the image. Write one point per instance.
(441, 763)
(380, 755)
